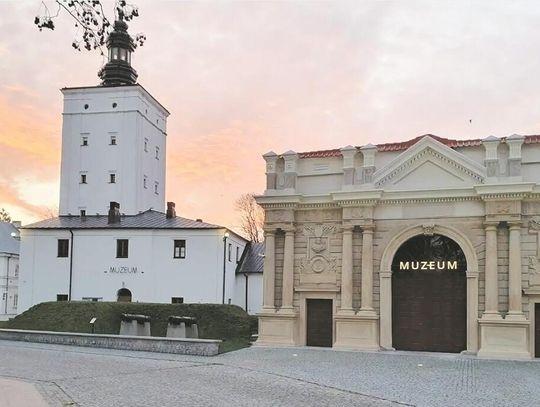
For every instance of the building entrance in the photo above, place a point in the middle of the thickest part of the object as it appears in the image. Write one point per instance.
(123, 295)
(429, 295)
(319, 322)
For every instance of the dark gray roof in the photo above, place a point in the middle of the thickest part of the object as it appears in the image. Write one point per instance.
(8, 244)
(146, 220)
(253, 259)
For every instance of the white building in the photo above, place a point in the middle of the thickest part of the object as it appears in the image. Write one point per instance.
(9, 268)
(149, 257)
(112, 241)
(249, 282)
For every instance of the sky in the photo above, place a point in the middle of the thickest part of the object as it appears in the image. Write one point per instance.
(243, 78)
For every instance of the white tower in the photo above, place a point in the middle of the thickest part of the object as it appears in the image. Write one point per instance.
(113, 140)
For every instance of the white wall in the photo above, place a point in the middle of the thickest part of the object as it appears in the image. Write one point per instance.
(197, 278)
(136, 117)
(255, 288)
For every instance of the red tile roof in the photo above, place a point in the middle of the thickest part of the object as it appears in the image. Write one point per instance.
(404, 145)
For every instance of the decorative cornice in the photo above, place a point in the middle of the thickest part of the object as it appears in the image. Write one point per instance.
(400, 201)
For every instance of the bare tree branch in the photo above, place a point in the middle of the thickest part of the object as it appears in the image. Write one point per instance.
(252, 217)
(4, 216)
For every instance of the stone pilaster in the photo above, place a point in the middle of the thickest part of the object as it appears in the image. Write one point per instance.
(514, 157)
(491, 160)
(290, 174)
(368, 169)
(271, 159)
(367, 271)
(514, 273)
(269, 271)
(288, 271)
(348, 154)
(491, 271)
(347, 271)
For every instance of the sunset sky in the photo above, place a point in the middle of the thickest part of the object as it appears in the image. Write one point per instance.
(243, 78)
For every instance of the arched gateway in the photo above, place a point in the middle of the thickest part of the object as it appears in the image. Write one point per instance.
(429, 295)
(388, 339)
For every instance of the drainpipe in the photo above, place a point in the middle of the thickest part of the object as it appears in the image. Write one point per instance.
(247, 285)
(7, 284)
(224, 264)
(70, 265)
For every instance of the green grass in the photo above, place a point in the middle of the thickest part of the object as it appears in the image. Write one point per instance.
(226, 322)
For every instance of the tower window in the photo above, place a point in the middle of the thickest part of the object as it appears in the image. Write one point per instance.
(63, 247)
(83, 178)
(179, 249)
(112, 178)
(84, 141)
(122, 248)
(113, 140)
(157, 153)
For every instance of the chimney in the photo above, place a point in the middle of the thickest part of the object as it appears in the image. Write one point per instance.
(171, 212)
(114, 212)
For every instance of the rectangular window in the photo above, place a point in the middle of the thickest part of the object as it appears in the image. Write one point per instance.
(122, 248)
(145, 182)
(146, 144)
(177, 300)
(179, 249)
(156, 185)
(15, 300)
(61, 297)
(17, 270)
(237, 254)
(229, 252)
(63, 247)
(157, 153)
(93, 299)
(113, 140)
(84, 141)
(83, 178)
(112, 178)
(83, 212)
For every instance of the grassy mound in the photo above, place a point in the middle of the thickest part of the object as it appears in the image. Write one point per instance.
(229, 323)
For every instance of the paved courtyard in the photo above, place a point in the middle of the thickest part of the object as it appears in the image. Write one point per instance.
(73, 376)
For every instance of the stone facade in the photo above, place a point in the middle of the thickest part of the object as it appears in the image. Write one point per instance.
(336, 218)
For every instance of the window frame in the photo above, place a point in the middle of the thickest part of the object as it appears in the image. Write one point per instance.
(83, 179)
(112, 178)
(120, 249)
(177, 243)
(112, 140)
(180, 300)
(84, 141)
(61, 251)
(62, 297)
(229, 252)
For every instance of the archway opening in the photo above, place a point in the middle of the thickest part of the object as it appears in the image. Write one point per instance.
(123, 295)
(429, 295)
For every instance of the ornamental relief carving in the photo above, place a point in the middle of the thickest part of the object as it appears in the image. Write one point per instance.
(318, 259)
(534, 261)
(280, 216)
(503, 210)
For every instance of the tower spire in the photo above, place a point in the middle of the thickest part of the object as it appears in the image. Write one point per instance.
(118, 70)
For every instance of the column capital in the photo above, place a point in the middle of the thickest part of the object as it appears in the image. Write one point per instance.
(515, 225)
(491, 224)
(288, 229)
(269, 231)
(347, 228)
(368, 228)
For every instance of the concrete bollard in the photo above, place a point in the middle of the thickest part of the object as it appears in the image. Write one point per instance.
(135, 325)
(182, 327)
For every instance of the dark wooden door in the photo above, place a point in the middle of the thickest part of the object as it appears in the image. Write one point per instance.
(429, 310)
(319, 322)
(537, 330)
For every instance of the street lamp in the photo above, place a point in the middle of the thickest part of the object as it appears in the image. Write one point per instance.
(225, 236)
